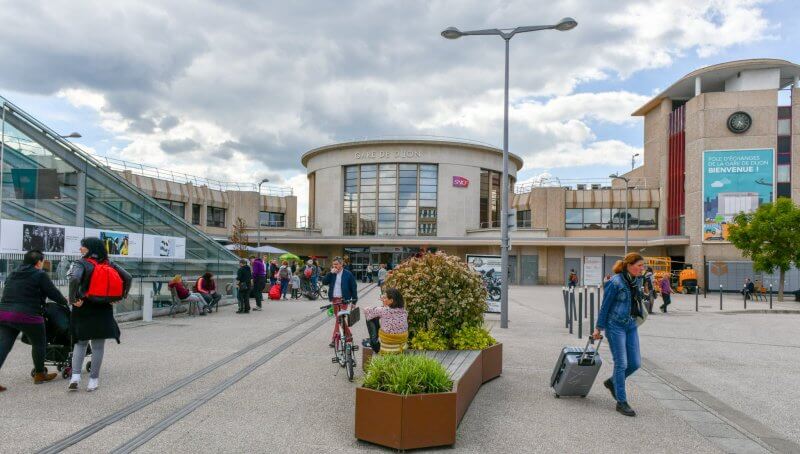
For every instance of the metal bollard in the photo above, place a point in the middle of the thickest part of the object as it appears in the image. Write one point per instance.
(574, 305)
(591, 312)
(580, 316)
(565, 296)
(720, 296)
(744, 297)
(586, 300)
(770, 296)
(571, 310)
(696, 297)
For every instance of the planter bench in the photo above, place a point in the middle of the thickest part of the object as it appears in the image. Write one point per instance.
(425, 420)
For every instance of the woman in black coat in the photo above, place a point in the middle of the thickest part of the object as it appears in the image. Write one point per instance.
(92, 318)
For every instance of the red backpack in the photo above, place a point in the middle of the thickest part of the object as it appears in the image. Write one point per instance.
(105, 283)
(307, 272)
(275, 292)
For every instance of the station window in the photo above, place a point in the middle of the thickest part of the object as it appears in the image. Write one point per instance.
(179, 208)
(271, 219)
(195, 214)
(524, 219)
(215, 217)
(610, 218)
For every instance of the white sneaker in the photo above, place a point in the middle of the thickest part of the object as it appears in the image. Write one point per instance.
(74, 382)
(94, 383)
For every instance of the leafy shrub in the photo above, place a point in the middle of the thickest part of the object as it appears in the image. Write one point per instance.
(440, 293)
(407, 374)
(428, 340)
(472, 338)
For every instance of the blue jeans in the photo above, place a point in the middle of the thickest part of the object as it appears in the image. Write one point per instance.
(284, 287)
(623, 339)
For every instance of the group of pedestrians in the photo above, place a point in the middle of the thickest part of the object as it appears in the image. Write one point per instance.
(95, 284)
(288, 280)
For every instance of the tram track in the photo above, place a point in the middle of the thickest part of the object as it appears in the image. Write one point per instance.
(175, 416)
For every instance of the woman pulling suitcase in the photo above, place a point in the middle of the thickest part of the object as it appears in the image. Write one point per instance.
(622, 306)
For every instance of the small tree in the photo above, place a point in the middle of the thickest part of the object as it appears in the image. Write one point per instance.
(239, 237)
(770, 236)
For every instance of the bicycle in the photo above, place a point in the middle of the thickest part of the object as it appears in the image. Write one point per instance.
(343, 347)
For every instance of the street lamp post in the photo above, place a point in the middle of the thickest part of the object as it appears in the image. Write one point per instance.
(633, 160)
(614, 176)
(453, 33)
(258, 216)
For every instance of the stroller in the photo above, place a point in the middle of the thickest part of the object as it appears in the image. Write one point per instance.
(58, 352)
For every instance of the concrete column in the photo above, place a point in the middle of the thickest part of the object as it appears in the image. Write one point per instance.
(698, 86)
(147, 302)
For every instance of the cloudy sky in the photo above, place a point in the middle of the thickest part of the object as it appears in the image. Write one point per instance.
(239, 90)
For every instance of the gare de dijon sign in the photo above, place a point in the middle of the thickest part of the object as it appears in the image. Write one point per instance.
(384, 154)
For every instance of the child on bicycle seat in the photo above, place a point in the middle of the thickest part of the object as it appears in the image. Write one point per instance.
(387, 324)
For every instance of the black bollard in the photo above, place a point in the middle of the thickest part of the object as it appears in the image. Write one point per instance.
(565, 296)
(580, 316)
(591, 312)
(571, 310)
(770, 296)
(696, 297)
(744, 297)
(586, 300)
(720, 296)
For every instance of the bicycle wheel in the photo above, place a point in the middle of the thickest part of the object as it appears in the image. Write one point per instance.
(323, 292)
(349, 361)
(339, 351)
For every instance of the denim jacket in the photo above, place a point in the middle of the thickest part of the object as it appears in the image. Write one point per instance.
(616, 307)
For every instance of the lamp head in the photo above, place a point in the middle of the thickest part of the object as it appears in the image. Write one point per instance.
(613, 175)
(566, 23)
(452, 33)
(265, 180)
(73, 135)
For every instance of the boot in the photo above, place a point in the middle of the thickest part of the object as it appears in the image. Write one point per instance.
(41, 377)
(625, 409)
(610, 385)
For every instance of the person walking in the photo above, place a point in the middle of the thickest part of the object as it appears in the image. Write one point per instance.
(273, 272)
(22, 311)
(382, 274)
(244, 282)
(259, 281)
(666, 293)
(617, 318)
(342, 288)
(368, 273)
(95, 284)
(284, 274)
(649, 289)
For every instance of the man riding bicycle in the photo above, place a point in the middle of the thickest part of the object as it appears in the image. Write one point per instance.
(342, 288)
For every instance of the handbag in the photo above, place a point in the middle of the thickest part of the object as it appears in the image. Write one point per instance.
(642, 317)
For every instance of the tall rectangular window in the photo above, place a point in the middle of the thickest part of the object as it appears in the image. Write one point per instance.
(524, 219)
(490, 199)
(179, 208)
(784, 152)
(385, 199)
(195, 214)
(215, 217)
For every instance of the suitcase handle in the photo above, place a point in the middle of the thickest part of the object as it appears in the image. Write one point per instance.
(586, 349)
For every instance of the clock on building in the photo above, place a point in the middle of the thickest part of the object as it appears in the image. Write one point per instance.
(739, 122)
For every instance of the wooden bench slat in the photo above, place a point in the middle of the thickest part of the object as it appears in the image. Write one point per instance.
(456, 365)
(467, 363)
(450, 356)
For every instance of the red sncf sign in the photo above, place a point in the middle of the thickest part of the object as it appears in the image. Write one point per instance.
(460, 182)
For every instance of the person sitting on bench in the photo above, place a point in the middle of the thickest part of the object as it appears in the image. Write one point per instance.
(387, 325)
(207, 288)
(186, 296)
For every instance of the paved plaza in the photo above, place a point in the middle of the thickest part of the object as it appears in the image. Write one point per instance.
(712, 382)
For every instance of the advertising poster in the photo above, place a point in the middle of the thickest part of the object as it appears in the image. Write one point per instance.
(21, 236)
(734, 181)
(488, 266)
(592, 270)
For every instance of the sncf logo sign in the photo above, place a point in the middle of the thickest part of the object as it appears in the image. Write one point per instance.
(460, 182)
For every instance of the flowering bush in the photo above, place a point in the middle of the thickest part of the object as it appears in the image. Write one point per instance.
(472, 338)
(441, 294)
(428, 340)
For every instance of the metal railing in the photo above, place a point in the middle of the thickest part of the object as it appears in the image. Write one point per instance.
(586, 184)
(179, 177)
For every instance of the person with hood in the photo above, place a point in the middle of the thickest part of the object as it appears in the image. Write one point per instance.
(22, 311)
(259, 281)
(93, 315)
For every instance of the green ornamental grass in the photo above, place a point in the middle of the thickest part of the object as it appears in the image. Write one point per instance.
(407, 374)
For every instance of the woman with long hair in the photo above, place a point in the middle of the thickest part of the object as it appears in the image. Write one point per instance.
(618, 313)
(92, 318)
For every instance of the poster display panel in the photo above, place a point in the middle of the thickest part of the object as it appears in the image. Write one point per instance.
(734, 181)
(488, 266)
(592, 270)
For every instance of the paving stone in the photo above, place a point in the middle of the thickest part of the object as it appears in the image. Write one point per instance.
(738, 445)
(716, 429)
(697, 416)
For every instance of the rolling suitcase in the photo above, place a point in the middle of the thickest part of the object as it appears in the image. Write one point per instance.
(576, 370)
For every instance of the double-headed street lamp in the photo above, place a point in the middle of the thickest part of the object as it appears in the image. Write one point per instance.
(614, 176)
(565, 24)
(258, 217)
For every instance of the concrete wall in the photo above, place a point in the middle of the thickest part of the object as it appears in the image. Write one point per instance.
(754, 79)
(796, 146)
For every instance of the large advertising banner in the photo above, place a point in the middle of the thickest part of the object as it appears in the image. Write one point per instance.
(734, 181)
(592, 270)
(22, 236)
(488, 266)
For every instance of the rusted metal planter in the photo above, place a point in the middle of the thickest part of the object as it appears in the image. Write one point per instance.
(492, 359)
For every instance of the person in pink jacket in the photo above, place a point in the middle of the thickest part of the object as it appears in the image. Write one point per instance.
(666, 291)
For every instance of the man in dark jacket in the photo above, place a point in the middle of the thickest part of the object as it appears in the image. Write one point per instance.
(342, 289)
(273, 268)
(244, 280)
(22, 310)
